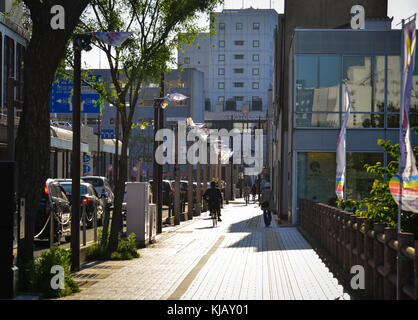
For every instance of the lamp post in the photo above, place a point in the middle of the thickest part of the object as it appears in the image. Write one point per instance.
(80, 42)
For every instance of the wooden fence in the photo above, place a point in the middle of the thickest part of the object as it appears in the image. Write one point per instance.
(350, 240)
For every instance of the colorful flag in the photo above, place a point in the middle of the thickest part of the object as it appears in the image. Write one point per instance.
(404, 185)
(340, 178)
(111, 38)
(172, 97)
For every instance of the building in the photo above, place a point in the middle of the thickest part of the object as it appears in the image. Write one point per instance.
(310, 120)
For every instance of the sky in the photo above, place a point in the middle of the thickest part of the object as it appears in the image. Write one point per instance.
(399, 9)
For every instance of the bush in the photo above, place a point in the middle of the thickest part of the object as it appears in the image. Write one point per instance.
(126, 250)
(36, 275)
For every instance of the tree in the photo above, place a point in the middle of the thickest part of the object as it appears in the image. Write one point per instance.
(45, 51)
(380, 206)
(158, 26)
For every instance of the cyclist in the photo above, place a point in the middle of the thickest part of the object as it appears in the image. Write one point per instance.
(214, 198)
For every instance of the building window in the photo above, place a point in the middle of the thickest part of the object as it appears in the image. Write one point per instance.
(221, 71)
(221, 43)
(9, 63)
(239, 42)
(256, 26)
(186, 60)
(256, 71)
(238, 84)
(221, 57)
(221, 26)
(366, 82)
(238, 70)
(256, 103)
(256, 43)
(393, 93)
(238, 26)
(239, 98)
(256, 57)
(112, 121)
(3, 6)
(317, 80)
(221, 99)
(238, 56)
(256, 85)
(221, 85)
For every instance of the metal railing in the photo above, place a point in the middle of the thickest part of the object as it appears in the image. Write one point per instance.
(352, 240)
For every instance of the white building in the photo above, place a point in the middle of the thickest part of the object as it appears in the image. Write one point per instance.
(237, 61)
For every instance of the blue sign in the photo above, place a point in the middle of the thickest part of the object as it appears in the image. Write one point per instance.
(86, 158)
(144, 166)
(107, 133)
(62, 97)
(86, 169)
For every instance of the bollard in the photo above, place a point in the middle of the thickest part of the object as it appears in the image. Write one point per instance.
(405, 265)
(95, 224)
(51, 225)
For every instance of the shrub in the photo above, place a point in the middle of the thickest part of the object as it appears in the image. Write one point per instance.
(126, 250)
(42, 273)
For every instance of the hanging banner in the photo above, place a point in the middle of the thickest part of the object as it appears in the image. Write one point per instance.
(114, 39)
(404, 185)
(341, 153)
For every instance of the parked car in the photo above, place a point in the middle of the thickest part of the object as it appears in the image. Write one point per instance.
(54, 202)
(103, 189)
(168, 196)
(92, 201)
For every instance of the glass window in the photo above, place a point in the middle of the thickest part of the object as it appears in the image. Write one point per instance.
(221, 99)
(238, 84)
(256, 85)
(256, 43)
(221, 57)
(317, 120)
(238, 70)
(238, 26)
(221, 85)
(256, 26)
(221, 43)
(256, 71)
(316, 169)
(366, 80)
(186, 60)
(256, 57)
(238, 56)
(239, 42)
(221, 26)
(317, 83)
(358, 181)
(221, 71)
(238, 98)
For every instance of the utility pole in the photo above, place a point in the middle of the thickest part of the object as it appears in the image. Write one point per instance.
(177, 179)
(190, 198)
(81, 42)
(98, 144)
(160, 167)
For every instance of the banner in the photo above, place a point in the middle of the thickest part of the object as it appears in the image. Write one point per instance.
(112, 38)
(340, 178)
(404, 185)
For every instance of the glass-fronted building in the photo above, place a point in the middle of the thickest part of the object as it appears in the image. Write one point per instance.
(320, 61)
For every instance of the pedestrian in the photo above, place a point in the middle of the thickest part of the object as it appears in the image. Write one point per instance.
(247, 191)
(213, 196)
(254, 191)
(266, 197)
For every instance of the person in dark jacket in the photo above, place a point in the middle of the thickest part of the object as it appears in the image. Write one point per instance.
(213, 196)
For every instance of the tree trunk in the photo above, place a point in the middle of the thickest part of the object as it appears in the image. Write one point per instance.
(45, 50)
(119, 191)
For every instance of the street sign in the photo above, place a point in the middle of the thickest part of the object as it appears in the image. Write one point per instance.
(107, 133)
(135, 168)
(86, 158)
(110, 167)
(86, 169)
(144, 166)
(61, 100)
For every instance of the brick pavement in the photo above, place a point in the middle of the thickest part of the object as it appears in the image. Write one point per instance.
(239, 260)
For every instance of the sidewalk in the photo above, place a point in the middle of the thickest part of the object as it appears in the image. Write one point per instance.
(239, 260)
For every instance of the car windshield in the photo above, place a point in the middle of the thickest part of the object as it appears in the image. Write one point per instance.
(94, 182)
(67, 187)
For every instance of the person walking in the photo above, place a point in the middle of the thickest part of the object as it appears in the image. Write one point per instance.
(254, 191)
(247, 191)
(213, 196)
(266, 197)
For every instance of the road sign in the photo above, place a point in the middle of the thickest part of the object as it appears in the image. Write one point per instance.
(86, 169)
(110, 167)
(62, 97)
(144, 166)
(135, 168)
(86, 158)
(107, 133)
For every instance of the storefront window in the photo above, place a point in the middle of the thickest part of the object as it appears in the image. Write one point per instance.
(316, 176)
(358, 181)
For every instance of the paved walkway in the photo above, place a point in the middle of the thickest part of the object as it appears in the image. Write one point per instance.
(239, 260)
